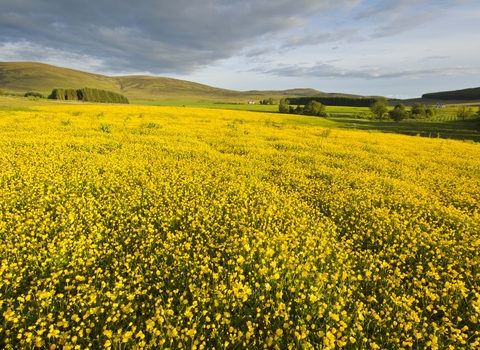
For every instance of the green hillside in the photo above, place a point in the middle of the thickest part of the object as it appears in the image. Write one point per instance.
(21, 77)
(32, 76)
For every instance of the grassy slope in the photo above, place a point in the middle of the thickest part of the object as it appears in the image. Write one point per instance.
(30, 76)
(158, 88)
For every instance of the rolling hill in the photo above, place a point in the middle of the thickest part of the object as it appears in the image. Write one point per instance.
(21, 77)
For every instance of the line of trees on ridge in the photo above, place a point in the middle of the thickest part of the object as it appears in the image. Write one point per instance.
(88, 95)
(337, 100)
(464, 94)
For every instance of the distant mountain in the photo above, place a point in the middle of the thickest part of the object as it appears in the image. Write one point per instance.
(40, 77)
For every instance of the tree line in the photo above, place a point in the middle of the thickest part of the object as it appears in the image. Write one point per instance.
(338, 100)
(464, 94)
(399, 112)
(88, 95)
(312, 108)
(33, 94)
(417, 111)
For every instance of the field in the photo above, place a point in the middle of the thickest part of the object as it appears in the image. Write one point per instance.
(176, 227)
(443, 125)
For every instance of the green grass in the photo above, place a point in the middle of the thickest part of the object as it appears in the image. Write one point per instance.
(448, 129)
(22, 102)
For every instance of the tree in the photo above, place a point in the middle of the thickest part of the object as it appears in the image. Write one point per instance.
(268, 101)
(398, 113)
(315, 108)
(379, 109)
(2, 92)
(463, 112)
(401, 107)
(418, 110)
(33, 94)
(284, 106)
(430, 112)
(57, 94)
(298, 110)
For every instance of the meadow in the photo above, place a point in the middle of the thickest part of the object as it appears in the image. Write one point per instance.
(444, 124)
(147, 227)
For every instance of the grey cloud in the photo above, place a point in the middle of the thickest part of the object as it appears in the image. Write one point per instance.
(259, 51)
(392, 17)
(392, 8)
(404, 24)
(428, 58)
(177, 36)
(319, 38)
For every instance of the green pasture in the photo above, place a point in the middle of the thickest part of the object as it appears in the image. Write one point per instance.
(449, 129)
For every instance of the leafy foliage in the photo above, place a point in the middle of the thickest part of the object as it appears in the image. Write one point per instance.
(398, 113)
(268, 101)
(284, 106)
(379, 109)
(418, 110)
(463, 112)
(315, 108)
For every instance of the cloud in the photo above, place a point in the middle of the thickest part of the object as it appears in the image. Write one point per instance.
(260, 51)
(178, 36)
(404, 23)
(295, 41)
(11, 52)
(430, 58)
(392, 17)
(325, 70)
(390, 7)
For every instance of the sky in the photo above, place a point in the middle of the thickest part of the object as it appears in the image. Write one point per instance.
(393, 48)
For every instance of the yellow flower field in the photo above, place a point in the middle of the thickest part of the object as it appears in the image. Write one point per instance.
(129, 227)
